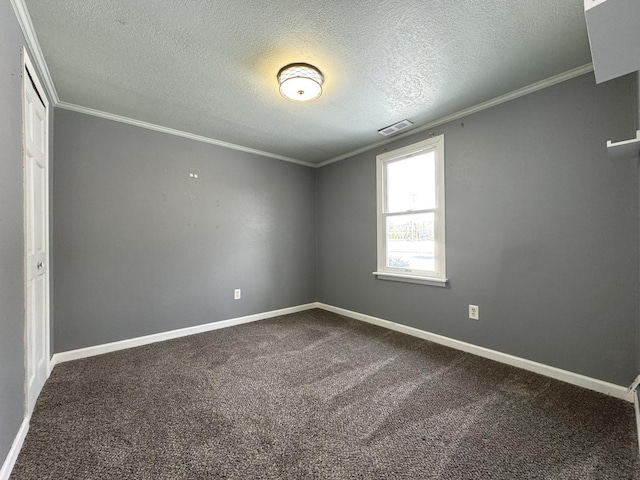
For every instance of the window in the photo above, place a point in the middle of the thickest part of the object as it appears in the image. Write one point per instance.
(411, 227)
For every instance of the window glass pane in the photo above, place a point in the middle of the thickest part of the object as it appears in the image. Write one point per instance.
(411, 242)
(411, 183)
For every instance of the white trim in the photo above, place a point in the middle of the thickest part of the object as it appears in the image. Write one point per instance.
(636, 406)
(636, 409)
(182, 332)
(607, 388)
(33, 74)
(24, 19)
(521, 92)
(12, 456)
(28, 30)
(589, 4)
(534, 87)
(542, 369)
(178, 133)
(399, 277)
(559, 374)
(433, 144)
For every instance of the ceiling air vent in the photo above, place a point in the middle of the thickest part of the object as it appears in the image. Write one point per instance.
(395, 128)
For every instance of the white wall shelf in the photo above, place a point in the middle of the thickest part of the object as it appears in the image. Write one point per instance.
(625, 149)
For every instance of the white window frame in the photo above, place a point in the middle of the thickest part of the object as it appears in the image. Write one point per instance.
(439, 276)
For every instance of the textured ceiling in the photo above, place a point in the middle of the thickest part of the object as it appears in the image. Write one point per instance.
(208, 67)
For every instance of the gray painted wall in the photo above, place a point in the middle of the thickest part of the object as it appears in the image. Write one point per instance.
(11, 231)
(140, 247)
(542, 232)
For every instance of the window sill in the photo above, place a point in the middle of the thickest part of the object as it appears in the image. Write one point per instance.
(399, 277)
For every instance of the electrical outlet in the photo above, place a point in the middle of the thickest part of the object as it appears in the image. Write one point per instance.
(474, 312)
(237, 294)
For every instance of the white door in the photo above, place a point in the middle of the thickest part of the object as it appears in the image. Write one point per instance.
(36, 201)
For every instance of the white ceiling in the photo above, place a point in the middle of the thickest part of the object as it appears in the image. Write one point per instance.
(208, 67)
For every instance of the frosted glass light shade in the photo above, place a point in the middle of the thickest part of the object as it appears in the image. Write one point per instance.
(300, 82)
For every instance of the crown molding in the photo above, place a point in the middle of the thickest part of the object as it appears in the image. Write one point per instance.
(534, 87)
(179, 133)
(24, 19)
(31, 38)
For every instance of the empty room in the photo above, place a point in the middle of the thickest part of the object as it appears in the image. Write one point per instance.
(290, 239)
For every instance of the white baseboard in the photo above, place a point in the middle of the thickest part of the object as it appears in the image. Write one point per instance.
(159, 337)
(546, 370)
(12, 456)
(553, 372)
(636, 407)
(617, 391)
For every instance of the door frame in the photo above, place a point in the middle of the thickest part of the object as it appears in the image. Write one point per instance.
(29, 71)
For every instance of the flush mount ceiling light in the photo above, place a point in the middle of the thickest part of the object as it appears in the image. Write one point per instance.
(300, 82)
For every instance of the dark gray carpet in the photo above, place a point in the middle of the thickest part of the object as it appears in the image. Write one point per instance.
(316, 395)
